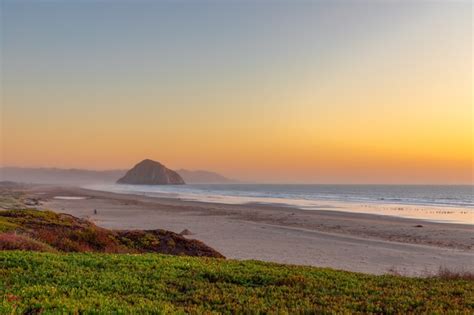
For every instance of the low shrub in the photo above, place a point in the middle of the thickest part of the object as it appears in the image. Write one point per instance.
(70, 234)
(449, 274)
(13, 241)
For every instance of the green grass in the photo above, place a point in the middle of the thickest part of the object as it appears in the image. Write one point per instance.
(151, 283)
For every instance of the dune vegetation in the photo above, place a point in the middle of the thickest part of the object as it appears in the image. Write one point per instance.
(52, 232)
(34, 282)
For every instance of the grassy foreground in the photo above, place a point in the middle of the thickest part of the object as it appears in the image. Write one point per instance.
(33, 282)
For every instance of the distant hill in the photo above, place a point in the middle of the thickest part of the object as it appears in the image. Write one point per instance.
(82, 176)
(59, 176)
(149, 172)
(204, 177)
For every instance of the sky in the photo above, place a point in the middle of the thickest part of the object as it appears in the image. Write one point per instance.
(267, 91)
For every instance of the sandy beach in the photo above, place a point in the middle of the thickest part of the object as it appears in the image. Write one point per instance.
(342, 240)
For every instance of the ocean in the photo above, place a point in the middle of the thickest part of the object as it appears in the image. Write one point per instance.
(375, 198)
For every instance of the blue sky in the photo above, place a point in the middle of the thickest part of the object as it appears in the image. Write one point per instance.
(226, 85)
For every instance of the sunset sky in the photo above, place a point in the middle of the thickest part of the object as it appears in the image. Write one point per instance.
(271, 91)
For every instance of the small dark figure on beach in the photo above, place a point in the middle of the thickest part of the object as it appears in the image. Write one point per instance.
(95, 211)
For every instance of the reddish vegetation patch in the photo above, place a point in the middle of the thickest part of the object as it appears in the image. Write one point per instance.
(11, 241)
(70, 234)
(445, 273)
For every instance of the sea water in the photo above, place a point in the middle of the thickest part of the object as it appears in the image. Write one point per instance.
(417, 201)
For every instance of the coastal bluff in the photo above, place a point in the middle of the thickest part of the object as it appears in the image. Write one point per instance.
(149, 172)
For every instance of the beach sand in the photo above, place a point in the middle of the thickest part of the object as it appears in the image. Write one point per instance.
(342, 240)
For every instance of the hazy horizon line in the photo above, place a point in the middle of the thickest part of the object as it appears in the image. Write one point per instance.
(244, 182)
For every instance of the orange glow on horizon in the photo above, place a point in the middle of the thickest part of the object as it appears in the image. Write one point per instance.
(367, 102)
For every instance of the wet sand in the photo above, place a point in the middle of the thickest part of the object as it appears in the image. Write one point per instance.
(342, 240)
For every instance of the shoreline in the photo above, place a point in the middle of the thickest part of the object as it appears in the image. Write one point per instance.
(283, 207)
(449, 214)
(351, 241)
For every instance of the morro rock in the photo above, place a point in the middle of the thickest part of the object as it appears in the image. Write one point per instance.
(149, 172)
